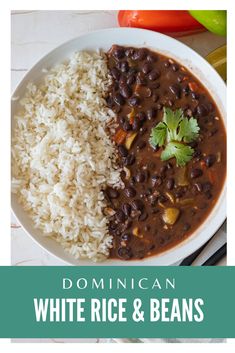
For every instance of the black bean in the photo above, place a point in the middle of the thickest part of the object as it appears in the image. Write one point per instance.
(143, 216)
(147, 228)
(210, 107)
(125, 253)
(154, 85)
(132, 71)
(163, 170)
(134, 101)
(124, 66)
(140, 54)
(162, 199)
(170, 103)
(196, 173)
(141, 116)
(129, 160)
(130, 192)
(122, 120)
(112, 193)
(155, 211)
(136, 124)
(147, 175)
(151, 58)
(140, 177)
(127, 126)
(132, 181)
(169, 165)
(109, 101)
(202, 110)
(179, 193)
(125, 237)
(155, 97)
(159, 106)
(156, 180)
(186, 227)
(117, 109)
(195, 95)
(112, 226)
(207, 187)
(141, 144)
(151, 113)
(170, 183)
(137, 205)
(167, 63)
(126, 207)
(115, 86)
(115, 73)
(123, 151)
(198, 187)
(210, 160)
(185, 90)
(130, 80)
(120, 216)
(147, 92)
(119, 99)
(176, 90)
(125, 91)
(129, 52)
(197, 154)
(143, 130)
(140, 78)
(128, 224)
(175, 67)
(118, 65)
(180, 78)
(208, 195)
(185, 107)
(118, 53)
(146, 68)
(122, 81)
(193, 144)
(153, 75)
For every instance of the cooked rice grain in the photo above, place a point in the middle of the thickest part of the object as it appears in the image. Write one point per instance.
(62, 156)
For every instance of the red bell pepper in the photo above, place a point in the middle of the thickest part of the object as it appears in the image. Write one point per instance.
(171, 22)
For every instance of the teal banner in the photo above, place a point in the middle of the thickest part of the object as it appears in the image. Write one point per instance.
(128, 302)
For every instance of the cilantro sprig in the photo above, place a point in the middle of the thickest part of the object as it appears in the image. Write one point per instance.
(174, 132)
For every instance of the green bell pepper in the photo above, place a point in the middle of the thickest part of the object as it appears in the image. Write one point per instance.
(218, 59)
(214, 20)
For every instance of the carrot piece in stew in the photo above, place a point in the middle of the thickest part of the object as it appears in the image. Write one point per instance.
(193, 86)
(120, 136)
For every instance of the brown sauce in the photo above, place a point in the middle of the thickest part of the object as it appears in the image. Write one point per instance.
(144, 82)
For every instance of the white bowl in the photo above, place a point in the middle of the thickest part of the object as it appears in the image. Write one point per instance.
(104, 39)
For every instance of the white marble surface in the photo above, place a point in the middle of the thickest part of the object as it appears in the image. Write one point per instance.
(34, 34)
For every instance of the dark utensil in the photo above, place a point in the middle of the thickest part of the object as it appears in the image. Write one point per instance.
(189, 260)
(218, 255)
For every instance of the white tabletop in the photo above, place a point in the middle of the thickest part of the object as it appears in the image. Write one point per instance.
(34, 34)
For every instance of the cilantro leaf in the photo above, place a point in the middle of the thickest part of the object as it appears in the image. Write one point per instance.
(175, 131)
(181, 152)
(158, 135)
(172, 120)
(188, 130)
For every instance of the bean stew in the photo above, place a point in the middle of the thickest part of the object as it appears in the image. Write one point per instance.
(162, 203)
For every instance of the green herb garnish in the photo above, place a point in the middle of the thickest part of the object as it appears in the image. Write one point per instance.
(174, 132)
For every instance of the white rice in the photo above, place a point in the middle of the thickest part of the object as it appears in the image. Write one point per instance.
(62, 156)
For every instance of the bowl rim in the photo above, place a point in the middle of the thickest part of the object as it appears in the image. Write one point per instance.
(215, 220)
